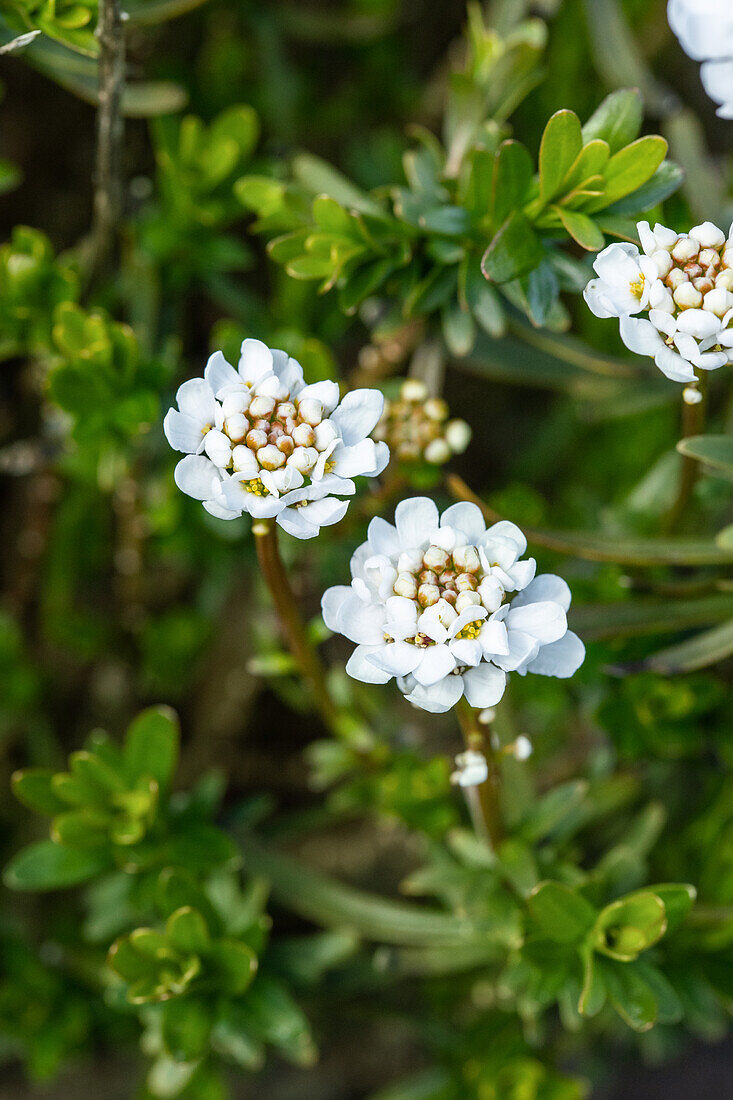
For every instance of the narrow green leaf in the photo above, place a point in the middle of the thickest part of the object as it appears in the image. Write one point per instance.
(49, 866)
(701, 651)
(515, 250)
(511, 179)
(561, 143)
(581, 228)
(33, 788)
(631, 996)
(151, 745)
(715, 451)
(617, 120)
(628, 169)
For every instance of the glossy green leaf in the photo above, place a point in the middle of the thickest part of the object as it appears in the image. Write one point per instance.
(33, 787)
(715, 451)
(560, 913)
(628, 169)
(630, 925)
(512, 176)
(187, 932)
(515, 250)
(581, 228)
(49, 866)
(617, 120)
(561, 143)
(631, 996)
(186, 1026)
(151, 745)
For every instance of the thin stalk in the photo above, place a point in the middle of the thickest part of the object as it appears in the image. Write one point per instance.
(693, 423)
(483, 800)
(286, 605)
(108, 181)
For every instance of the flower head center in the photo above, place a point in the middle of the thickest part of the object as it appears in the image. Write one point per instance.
(470, 630)
(637, 287)
(256, 486)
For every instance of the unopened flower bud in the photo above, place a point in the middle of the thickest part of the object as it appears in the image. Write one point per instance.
(303, 435)
(262, 406)
(703, 284)
(675, 278)
(413, 389)
(687, 297)
(435, 558)
(271, 386)
(285, 444)
(708, 235)
(466, 582)
(435, 408)
(405, 585)
(458, 435)
(663, 262)
(325, 433)
(437, 452)
(428, 594)
(409, 561)
(242, 458)
(310, 410)
(286, 410)
(691, 395)
(467, 599)
(709, 257)
(718, 301)
(685, 250)
(450, 596)
(727, 257)
(693, 270)
(236, 427)
(218, 448)
(303, 459)
(408, 452)
(466, 559)
(724, 279)
(428, 576)
(270, 458)
(522, 748)
(256, 438)
(235, 403)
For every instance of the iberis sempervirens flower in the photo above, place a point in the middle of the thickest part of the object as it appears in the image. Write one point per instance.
(705, 32)
(449, 608)
(683, 282)
(258, 440)
(416, 427)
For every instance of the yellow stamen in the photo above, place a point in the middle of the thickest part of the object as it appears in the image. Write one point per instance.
(637, 288)
(255, 486)
(470, 630)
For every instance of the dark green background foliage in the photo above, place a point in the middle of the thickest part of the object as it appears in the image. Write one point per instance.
(250, 904)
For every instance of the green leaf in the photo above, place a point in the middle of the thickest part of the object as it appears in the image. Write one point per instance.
(715, 451)
(677, 898)
(628, 169)
(187, 932)
(669, 1006)
(700, 651)
(235, 964)
(627, 618)
(617, 119)
(665, 181)
(229, 1037)
(151, 745)
(33, 788)
(581, 228)
(630, 925)
(458, 330)
(270, 1013)
(593, 994)
(511, 179)
(515, 250)
(631, 996)
(49, 866)
(560, 913)
(321, 178)
(185, 1028)
(561, 143)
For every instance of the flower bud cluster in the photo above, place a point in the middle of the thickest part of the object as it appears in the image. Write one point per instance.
(417, 427)
(683, 282)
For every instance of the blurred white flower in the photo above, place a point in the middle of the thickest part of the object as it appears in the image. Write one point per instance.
(705, 32)
(471, 769)
(259, 440)
(428, 605)
(417, 428)
(683, 283)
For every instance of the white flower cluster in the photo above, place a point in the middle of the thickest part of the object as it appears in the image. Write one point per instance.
(258, 440)
(705, 32)
(429, 604)
(684, 283)
(416, 427)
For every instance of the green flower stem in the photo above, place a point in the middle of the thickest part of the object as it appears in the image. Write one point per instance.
(693, 423)
(483, 800)
(108, 181)
(286, 605)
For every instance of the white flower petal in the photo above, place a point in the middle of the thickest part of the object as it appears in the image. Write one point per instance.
(561, 658)
(504, 529)
(359, 667)
(437, 662)
(698, 322)
(397, 658)
(467, 651)
(522, 649)
(220, 374)
(437, 698)
(195, 476)
(673, 366)
(494, 639)
(255, 361)
(183, 433)
(195, 398)
(382, 537)
(545, 587)
(544, 620)
(356, 460)
(467, 518)
(640, 336)
(325, 392)
(484, 685)
(414, 519)
(358, 414)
